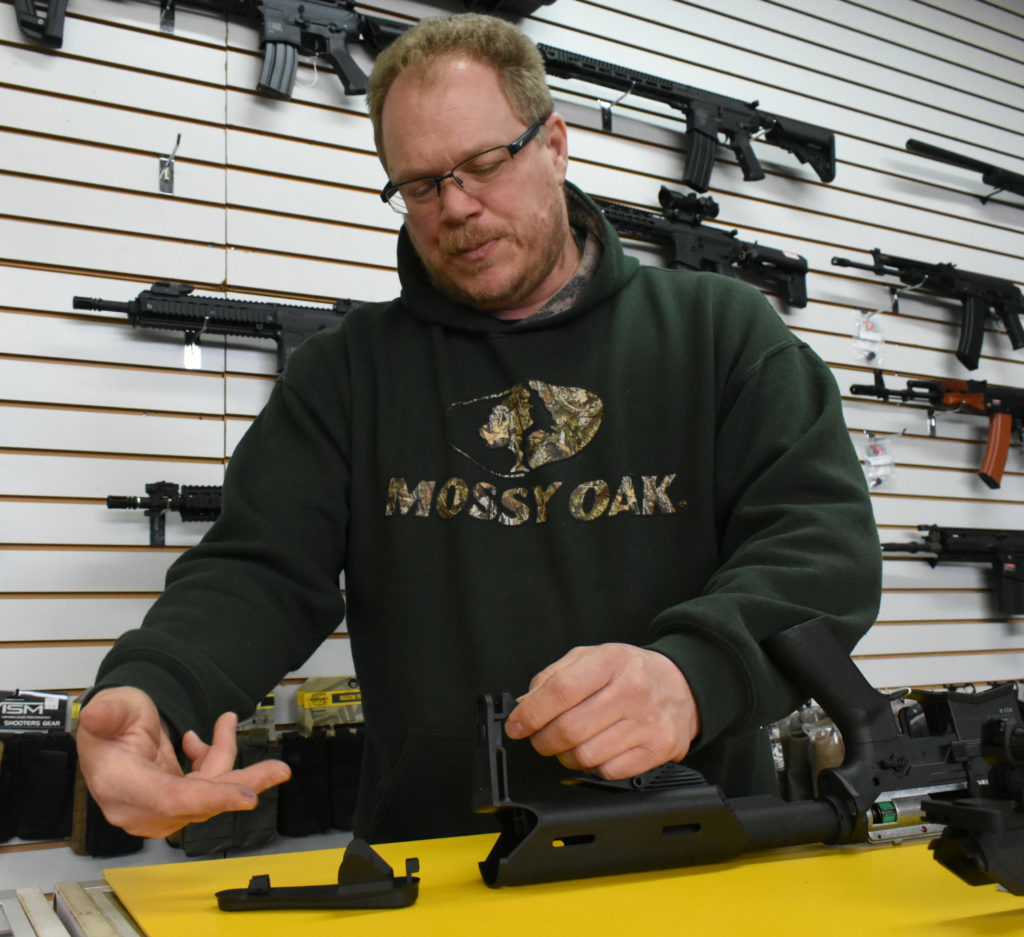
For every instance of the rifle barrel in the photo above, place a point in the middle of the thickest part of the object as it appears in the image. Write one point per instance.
(846, 262)
(100, 305)
(946, 156)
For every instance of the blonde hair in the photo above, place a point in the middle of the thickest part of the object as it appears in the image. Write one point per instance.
(487, 39)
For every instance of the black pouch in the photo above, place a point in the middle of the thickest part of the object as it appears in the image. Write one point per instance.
(242, 829)
(37, 784)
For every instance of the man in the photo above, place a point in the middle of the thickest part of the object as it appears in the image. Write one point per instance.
(543, 468)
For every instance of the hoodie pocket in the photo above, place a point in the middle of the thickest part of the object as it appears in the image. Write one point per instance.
(429, 790)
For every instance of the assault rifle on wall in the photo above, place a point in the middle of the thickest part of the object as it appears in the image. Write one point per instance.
(709, 117)
(980, 295)
(691, 245)
(1000, 179)
(914, 764)
(288, 29)
(1004, 407)
(193, 502)
(1002, 549)
(171, 306)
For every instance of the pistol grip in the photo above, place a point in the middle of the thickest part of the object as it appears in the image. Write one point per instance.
(796, 290)
(745, 156)
(1014, 329)
(352, 77)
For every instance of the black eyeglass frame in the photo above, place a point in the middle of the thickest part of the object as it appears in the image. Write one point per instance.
(391, 189)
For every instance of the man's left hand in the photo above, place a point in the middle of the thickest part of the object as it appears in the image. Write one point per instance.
(614, 710)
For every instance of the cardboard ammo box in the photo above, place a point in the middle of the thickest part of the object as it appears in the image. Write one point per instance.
(328, 701)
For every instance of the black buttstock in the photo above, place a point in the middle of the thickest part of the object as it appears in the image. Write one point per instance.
(42, 22)
(809, 143)
(782, 266)
(810, 655)
(377, 34)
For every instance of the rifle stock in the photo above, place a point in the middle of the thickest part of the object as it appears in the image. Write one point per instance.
(44, 23)
(808, 142)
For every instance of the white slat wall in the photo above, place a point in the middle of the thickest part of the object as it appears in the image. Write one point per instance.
(277, 199)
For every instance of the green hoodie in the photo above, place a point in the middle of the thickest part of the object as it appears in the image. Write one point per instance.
(663, 464)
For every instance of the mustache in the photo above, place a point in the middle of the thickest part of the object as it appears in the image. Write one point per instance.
(461, 239)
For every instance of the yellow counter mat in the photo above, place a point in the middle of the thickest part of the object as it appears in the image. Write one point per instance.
(861, 890)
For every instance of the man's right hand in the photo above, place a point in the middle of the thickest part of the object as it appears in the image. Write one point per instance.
(131, 769)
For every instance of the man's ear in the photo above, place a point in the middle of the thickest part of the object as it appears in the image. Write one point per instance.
(556, 141)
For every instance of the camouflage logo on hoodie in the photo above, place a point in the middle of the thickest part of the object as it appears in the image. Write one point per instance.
(530, 424)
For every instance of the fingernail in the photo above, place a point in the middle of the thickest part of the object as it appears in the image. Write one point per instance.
(513, 729)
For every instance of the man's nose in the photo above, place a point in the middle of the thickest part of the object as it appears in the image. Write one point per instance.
(456, 202)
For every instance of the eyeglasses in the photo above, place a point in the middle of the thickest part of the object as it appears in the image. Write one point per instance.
(472, 174)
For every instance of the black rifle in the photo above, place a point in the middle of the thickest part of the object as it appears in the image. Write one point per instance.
(692, 245)
(1002, 549)
(193, 502)
(1000, 179)
(1004, 407)
(171, 306)
(980, 295)
(288, 29)
(941, 758)
(708, 117)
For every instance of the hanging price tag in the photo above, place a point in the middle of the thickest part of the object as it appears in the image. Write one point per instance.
(879, 462)
(868, 340)
(193, 357)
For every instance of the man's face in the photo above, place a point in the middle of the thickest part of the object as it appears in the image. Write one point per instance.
(508, 248)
